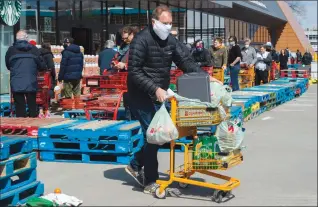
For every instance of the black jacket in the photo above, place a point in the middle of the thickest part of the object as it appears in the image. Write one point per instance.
(149, 65)
(298, 56)
(71, 64)
(48, 59)
(24, 61)
(307, 58)
(202, 58)
(283, 60)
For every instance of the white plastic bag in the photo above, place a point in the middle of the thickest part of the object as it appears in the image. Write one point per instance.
(62, 199)
(161, 129)
(230, 136)
(221, 94)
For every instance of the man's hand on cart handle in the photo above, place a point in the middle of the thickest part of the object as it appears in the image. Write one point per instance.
(161, 95)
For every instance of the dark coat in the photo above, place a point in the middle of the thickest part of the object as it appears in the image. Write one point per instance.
(283, 60)
(307, 58)
(202, 58)
(24, 61)
(72, 63)
(48, 59)
(105, 58)
(149, 65)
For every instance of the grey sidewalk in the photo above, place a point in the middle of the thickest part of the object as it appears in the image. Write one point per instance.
(280, 167)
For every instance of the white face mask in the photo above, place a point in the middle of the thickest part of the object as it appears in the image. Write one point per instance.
(246, 46)
(232, 43)
(162, 30)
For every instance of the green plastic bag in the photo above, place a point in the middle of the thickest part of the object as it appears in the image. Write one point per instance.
(39, 202)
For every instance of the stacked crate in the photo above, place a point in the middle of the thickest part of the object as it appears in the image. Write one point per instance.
(18, 175)
(83, 141)
(218, 73)
(246, 77)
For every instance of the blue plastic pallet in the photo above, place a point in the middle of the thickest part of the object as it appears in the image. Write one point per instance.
(278, 93)
(80, 114)
(114, 147)
(252, 98)
(11, 146)
(17, 164)
(11, 183)
(95, 130)
(89, 158)
(236, 113)
(247, 103)
(22, 195)
(262, 96)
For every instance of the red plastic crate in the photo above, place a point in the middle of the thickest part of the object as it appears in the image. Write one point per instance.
(24, 126)
(116, 81)
(174, 74)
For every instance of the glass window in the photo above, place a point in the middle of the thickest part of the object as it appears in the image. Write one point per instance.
(197, 25)
(190, 18)
(47, 21)
(28, 19)
(183, 24)
(227, 28)
(216, 26)
(211, 26)
(222, 27)
(7, 35)
(205, 36)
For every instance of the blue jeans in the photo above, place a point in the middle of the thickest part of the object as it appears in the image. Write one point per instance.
(147, 156)
(234, 71)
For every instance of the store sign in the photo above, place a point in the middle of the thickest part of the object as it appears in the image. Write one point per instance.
(10, 11)
(259, 3)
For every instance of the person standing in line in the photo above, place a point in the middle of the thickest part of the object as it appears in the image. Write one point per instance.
(219, 54)
(48, 56)
(234, 60)
(71, 68)
(24, 60)
(283, 60)
(106, 56)
(298, 56)
(248, 53)
(201, 55)
(262, 66)
(127, 34)
(150, 56)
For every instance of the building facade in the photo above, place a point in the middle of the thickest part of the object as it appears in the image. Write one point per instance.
(92, 22)
(312, 36)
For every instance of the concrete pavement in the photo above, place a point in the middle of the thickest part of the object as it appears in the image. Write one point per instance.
(280, 167)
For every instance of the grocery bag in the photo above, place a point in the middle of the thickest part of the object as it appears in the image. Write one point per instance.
(230, 136)
(221, 94)
(161, 129)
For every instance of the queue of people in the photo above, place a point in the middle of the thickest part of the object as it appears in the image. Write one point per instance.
(147, 56)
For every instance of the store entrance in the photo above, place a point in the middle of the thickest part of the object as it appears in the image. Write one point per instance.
(83, 37)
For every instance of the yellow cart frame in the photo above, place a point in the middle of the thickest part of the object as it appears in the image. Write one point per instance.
(183, 176)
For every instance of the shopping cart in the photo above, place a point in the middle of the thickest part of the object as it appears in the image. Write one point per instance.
(187, 119)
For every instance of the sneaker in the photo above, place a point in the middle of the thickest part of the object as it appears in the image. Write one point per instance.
(151, 188)
(138, 176)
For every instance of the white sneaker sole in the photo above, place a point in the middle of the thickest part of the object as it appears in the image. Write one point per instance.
(135, 178)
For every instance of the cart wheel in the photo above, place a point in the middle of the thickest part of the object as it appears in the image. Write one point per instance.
(217, 196)
(183, 185)
(227, 194)
(160, 195)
